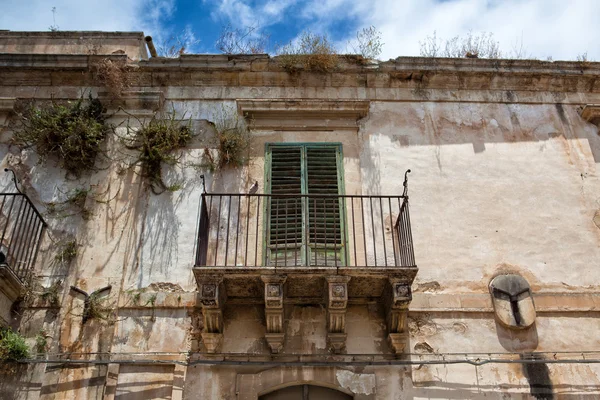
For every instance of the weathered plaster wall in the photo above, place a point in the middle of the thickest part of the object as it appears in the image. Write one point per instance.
(492, 184)
(502, 180)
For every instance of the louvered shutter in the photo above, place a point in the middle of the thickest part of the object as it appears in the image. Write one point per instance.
(285, 227)
(304, 230)
(324, 230)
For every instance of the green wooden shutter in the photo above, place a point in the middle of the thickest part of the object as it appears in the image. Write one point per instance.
(324, 230)
(304, 231)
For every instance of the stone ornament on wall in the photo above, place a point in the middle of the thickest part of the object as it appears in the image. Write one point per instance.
(513, 301)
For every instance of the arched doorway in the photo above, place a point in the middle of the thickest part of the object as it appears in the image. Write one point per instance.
(305, 392)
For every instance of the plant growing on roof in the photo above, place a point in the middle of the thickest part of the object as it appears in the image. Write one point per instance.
(73, 133)
(248, 40)
(313, 52)
(112, 74)
(368, 43)
(156, 142)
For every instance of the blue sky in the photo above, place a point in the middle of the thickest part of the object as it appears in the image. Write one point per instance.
(557, 28)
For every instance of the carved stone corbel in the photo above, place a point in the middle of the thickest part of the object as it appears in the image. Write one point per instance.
(337, 302)
(398, 298)
(274, 311)
(212, 299)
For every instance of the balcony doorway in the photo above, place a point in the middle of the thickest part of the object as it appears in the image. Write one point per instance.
(305, 210)
(305, 392)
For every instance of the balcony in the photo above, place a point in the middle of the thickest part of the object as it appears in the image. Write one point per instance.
(286, 249)
(243, 237)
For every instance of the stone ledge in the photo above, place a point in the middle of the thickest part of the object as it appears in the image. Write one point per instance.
(544, 303)
(421, 302)
(54, 61)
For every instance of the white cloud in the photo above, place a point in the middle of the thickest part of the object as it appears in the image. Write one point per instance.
(241, 14)
(554, 28)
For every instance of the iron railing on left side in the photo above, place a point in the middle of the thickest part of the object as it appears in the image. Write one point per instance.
(21, 230)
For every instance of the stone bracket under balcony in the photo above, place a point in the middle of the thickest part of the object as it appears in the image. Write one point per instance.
(212, 300)
(334, 288)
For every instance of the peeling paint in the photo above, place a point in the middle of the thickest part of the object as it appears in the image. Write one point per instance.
(356, 383)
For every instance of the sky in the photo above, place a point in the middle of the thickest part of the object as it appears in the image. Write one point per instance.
(562, 30)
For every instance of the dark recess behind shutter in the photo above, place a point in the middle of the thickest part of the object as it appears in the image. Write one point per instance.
(304, 169)
(322, 178)
(286, 213)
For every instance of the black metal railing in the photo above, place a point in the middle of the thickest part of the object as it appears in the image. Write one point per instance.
(22, 228)
(304, 230)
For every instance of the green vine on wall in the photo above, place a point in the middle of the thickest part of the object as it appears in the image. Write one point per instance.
(72, 133)
(233, 140)
(156, 142)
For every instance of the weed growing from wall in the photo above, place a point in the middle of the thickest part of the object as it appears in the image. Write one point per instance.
(313, 52)
(74, 204)
(12, 346)
(66, 252)
(51, 294)
(41, 342)
(73, 133)
(156, 142)
(97, 307)
(233, 140)
(78, 201)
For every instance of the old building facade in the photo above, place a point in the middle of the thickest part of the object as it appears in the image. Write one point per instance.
(296, 270)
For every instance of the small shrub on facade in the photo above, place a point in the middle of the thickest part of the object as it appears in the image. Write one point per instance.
(12, 346)
(97, 307)
(75, 203)
(72, 133)
(156, 142)
(66, 252)
(234, 140)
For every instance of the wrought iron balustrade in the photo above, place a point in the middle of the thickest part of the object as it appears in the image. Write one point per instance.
(21, 227)
(255, 230)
